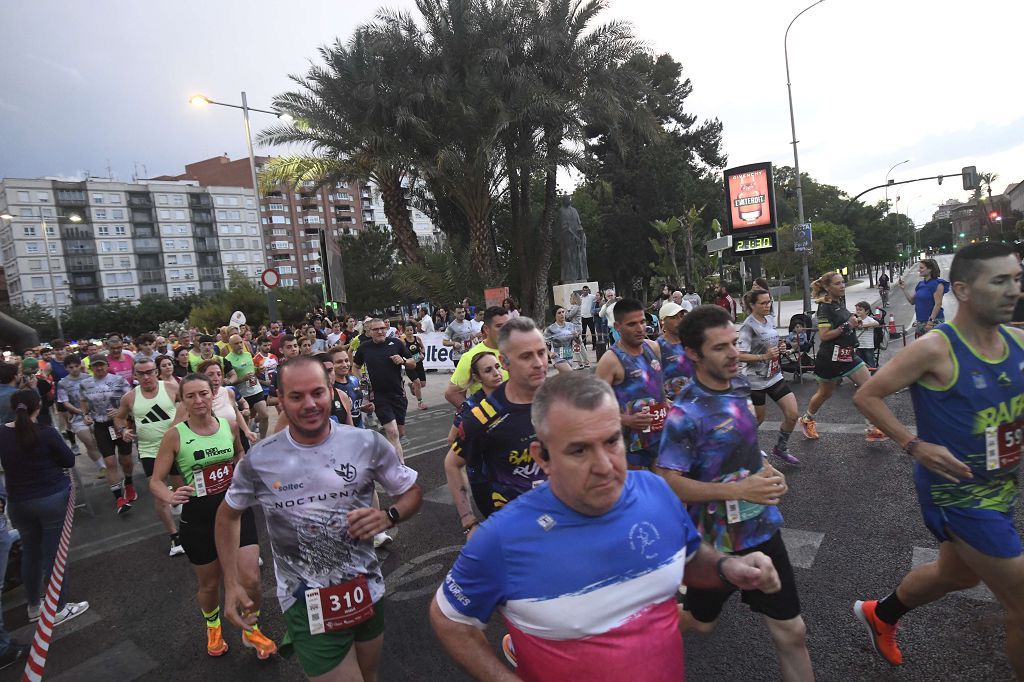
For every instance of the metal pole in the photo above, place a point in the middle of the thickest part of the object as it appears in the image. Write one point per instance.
(796, 161)
(887, 183)
(271, 294)
(49, 267)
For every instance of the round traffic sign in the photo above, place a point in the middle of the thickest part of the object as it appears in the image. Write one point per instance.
(270, 278)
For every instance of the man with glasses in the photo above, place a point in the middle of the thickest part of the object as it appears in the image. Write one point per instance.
(119, 361)
(151, 406)
(101, 395)
(384, 359)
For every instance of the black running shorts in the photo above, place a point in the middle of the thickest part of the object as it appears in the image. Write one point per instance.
(196, 532)
(777, 391)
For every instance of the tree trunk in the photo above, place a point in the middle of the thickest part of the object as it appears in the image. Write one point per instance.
(543, 249)
(396, 210)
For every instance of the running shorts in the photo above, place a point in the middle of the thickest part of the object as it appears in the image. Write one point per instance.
(253, 399)
(108, 446)
(148, 463)
(777, 391)
(706, 605)
(320, 654)
(990, 532)
(418, 373)
(390, 408)
(826, 370)
(641, 458)
(196, 530)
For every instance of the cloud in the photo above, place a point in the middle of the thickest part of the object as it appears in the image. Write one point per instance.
(9, 106)
(71, 71)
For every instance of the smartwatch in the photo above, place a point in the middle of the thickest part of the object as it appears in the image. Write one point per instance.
(394, 516)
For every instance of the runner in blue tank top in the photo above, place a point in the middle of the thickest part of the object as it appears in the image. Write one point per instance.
(633, 369)
(676, 366)
(967, 384)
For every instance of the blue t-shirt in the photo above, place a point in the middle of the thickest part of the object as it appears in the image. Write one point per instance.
(354, 390)
(711, 436)
(924, 299)
(676, 367)
(584, 597)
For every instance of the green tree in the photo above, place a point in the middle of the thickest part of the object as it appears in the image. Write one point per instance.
(369, 262)
(834, 248)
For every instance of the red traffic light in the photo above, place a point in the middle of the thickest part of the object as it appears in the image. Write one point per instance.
(993, 215)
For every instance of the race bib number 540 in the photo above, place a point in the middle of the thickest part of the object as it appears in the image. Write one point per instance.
(338, 607)
(1003, 445)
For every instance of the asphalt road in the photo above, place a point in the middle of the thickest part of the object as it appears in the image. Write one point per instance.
(852, 527)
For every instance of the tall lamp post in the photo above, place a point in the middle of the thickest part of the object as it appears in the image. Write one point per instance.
(887, 173)
(796, 159)
(73, 217)
(203, 100)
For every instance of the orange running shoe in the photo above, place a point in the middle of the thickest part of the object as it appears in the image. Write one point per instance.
(873, 434)
(809, 427)
(264, 646)
(215, 644)
(509, 650)
(883, 635)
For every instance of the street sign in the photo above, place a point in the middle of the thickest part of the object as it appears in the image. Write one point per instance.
(270, 278)
(802, 238)
(754, 244)
(719, 244)
(237, 319)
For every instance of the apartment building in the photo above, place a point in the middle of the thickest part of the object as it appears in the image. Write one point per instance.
(113, 240)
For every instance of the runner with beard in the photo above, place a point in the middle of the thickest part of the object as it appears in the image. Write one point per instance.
(677, 368)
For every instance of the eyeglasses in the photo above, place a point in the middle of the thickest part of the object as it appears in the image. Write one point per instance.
(145, 372)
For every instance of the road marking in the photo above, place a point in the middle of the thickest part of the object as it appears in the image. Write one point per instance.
(925, 555)
(441, 495)
(828, 427)
(802, 546)
(25, 632)
(102, 545)
(425, 448)
(123, 661)
(405, 574)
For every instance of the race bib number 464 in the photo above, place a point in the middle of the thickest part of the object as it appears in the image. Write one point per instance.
(1003, 445)
(339, 607)
(213, 479)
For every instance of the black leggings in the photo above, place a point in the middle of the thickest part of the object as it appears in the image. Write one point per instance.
(588, 322)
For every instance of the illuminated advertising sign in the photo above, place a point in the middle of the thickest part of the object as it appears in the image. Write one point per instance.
(754, 244)
(750, 193)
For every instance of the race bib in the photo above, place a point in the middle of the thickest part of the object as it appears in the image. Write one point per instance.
(658, 411)
(212, 479)
(467, 344)
(338, 607)
(417, 357)
(564, 352)
(741, 510)
(1003, 445)
(842, 354)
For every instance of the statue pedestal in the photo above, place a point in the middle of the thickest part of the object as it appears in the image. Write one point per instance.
(562, 292)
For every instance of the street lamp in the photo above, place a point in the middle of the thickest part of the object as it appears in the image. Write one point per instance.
(887, 183)
(796, 159)
(201, 101)
(73, 217)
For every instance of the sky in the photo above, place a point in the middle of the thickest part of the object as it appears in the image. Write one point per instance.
(87, 86)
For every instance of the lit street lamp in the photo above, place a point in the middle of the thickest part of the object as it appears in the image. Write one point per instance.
(887, 182)
(796, 160)
(73, 217)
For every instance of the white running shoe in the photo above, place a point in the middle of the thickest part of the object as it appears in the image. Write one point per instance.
(34, 611)
(381, 539)
(70, 611)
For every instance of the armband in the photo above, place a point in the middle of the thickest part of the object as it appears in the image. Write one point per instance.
(911, 444)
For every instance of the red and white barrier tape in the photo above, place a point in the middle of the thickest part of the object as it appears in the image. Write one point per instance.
(44, 630)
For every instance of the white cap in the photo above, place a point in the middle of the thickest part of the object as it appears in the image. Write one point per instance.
(671, 309)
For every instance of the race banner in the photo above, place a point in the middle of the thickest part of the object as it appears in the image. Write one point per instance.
(436, 355)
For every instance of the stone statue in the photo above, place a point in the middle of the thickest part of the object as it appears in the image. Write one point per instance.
(574, 244)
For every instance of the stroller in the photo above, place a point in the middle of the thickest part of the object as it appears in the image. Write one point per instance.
(801, 358)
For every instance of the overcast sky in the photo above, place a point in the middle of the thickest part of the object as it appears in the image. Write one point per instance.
(87, 84)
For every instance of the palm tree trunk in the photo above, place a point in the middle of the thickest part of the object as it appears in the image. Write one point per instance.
(397, 212)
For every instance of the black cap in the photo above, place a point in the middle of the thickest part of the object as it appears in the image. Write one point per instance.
(206, 338)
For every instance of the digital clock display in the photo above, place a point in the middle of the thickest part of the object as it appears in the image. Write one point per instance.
(752, 245)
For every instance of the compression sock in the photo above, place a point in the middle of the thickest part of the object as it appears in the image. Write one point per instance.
(783, 439)
(891, 609)
(127, 480)
(212, 617)
(808, 416)
(255, 625)
(116, 489)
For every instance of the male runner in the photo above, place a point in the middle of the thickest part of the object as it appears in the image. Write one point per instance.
(710, 458)
(633, 369)
(345, 381)
(460, 384)
(247, 381)
(676, 366)
(151, 406)
(459, 334)
(289, 350)
(968, 392)
(384, 359)
(100, 395)
(315, 482)
(495, 436)
(585, 567)
(69, 394)
(119, 361)
(145, 347)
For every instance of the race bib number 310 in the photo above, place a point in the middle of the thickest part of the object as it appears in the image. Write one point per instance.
(1003, 445)
(339, 607)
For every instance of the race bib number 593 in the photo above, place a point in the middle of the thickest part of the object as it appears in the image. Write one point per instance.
(338, 607)
(1003, 445)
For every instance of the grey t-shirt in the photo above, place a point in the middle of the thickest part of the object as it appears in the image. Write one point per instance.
(306, 492)
(69, 390)
(461, 336)
(103, 395)
(756, 339)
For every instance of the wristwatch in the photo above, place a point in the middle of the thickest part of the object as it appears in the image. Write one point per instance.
(394, 516)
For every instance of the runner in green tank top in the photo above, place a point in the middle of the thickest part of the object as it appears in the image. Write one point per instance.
(151, 407)
(205, 449)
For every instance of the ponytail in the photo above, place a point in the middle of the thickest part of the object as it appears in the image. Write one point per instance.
(819, 287)
(24, 404)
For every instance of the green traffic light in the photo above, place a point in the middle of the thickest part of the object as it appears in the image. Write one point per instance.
(962, 235)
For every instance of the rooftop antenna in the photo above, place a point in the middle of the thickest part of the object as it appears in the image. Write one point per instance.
(110, 173)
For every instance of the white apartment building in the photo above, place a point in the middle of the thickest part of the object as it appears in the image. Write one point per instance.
(112, 240)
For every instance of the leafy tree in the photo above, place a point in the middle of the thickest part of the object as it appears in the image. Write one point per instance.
(369, 261)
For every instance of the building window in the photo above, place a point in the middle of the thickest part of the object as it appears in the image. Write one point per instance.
(100, 213)
(169, 244)
(120, 230)
(36, 282)
(114, 198)
(25, 212)
(161, 199)
(102, 230)
(164, 214)
(179, 215)
(106, 247)
(35, 264)
(43, 196)
(177, 199)
(108, 261)
(29, 230)
(126, 262)
(122, 246)
(97, 198)
(175, 291)
(24, 197)
(117, 214)
(275, 207)
(41, 298)
(183, 244)
(186, 259)
(32, 247)
(53, 248)
(172, 260)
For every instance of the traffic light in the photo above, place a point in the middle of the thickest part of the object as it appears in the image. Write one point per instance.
(962, 235)
(970, 177)
(993, 215)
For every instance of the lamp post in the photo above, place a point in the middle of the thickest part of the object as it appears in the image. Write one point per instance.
(73, 217)
(203, 100)
(887, 182)
(796, 159)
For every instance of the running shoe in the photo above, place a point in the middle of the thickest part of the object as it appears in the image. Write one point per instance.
(785, 455)
(810, 428)
(381, 539)
(34, 611)
(509, 650)
(422, 406)
(176, 509)
(873, 434)
(215, 644)
(883, 635)
(129, 492)
(176, 548)
(70, 611)
(254, 639)
(101, 473)
(123, 506)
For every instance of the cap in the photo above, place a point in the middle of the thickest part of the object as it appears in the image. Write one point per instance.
(30, 365)
(99, 358)
(671, 309)
(206, 338)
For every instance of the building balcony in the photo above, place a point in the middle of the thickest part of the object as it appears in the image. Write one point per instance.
(204, 232)
(141, 216)
(140, 201)
(152, 277)
(85, 297)
(145, 232)
(207, 244)
(147, 246)
(202, 216)
(199, 201)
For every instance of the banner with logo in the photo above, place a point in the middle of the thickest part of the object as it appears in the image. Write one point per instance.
(435, 353)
